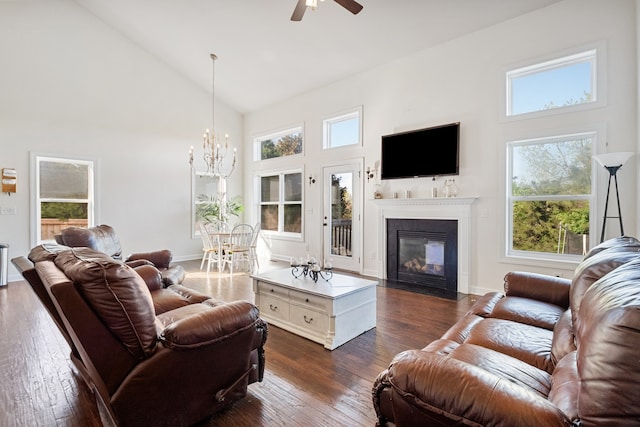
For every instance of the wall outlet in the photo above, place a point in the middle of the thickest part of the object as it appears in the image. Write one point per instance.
(8, 211)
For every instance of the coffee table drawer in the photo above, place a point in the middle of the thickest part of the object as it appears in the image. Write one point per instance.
(273, 290)
(274, 307)
(310, 320)
(310, 301)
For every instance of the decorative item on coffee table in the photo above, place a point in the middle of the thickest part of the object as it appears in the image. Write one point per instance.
(310, 267)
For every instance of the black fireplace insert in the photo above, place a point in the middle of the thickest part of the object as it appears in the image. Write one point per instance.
(423, 252)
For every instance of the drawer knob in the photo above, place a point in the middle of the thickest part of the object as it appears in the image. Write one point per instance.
(273, 307)
(308, 320)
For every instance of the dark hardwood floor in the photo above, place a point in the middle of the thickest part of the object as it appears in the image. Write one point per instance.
(304, 384)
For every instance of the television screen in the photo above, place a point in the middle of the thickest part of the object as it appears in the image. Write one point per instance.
(423, 152)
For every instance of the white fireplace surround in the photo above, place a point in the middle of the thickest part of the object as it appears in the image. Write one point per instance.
(454, 208)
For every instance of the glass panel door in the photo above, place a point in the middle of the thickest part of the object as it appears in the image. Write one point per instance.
(342, 216)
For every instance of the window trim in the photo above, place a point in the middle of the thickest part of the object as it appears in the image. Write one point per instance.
(281, 235)
(339, 117)
(545, 259)
(92, 209)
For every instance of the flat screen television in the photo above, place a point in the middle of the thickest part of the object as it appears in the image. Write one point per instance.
(432, 151)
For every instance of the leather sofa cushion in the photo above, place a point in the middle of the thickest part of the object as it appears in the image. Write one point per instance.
(616, 242)
(564, 341)
(528, 343)
(45, 252)
(117, 294)
(102, 238)
(525, 310)
(176, 296)
(499, 364)
(198, 325)
(566, 385)
(460, 331)
(595, 267)
(460, 393)
(608, 337)
(506, 367)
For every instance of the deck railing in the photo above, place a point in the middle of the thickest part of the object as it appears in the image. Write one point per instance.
(341, 237)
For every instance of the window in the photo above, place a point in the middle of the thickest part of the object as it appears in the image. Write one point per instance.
(559, 83)
(549, 196)
(64, 195)
(280, 144)
(342, 130)
(281, 203)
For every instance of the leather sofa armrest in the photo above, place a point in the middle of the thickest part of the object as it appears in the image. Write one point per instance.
(458, 390)
(198, 325)
(150, 275)
(540, 287)
(139, 263)
(160, 259)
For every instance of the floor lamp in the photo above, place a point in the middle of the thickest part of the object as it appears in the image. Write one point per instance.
(612, 162)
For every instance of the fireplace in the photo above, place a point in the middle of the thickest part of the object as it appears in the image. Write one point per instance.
(423, 252)
(457, 209)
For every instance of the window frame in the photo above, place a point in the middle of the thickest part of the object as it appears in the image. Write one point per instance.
(36, 199)
(538, 258)
(597, 53)
(280, 233)
(338, 118)
(257, 142)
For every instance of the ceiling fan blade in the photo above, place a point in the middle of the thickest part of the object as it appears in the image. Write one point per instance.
(298, 12)
(351, 5)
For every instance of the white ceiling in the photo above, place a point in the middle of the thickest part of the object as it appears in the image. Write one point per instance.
(263, 57)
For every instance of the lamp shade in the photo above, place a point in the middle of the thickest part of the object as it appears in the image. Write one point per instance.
(613, 159)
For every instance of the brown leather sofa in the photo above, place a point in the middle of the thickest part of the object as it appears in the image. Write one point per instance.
(103, 238)
(153, 356)
(546, 352)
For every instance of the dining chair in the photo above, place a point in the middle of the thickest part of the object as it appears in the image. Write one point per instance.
(237, 249)
(253, 252)
(210, 249)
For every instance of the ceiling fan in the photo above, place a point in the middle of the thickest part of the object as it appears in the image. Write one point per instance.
(351, 5)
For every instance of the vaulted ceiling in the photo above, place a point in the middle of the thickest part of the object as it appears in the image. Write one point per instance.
(264, 57)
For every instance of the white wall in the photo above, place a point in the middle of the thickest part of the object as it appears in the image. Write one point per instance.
(70, 85)
(462, 81)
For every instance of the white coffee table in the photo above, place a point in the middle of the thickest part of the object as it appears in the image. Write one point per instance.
(330, 313)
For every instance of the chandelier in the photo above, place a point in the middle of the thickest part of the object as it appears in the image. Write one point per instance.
(214, 153)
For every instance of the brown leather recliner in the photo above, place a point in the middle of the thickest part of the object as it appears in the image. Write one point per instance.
(153, 355)
(546, 352)
(103, 238)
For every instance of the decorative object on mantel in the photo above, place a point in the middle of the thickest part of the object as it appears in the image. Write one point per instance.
(214, 155)
(434, 189)
(612, 162)
(450, 188)
(310, 267)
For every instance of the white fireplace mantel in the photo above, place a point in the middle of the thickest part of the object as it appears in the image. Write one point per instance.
(455, 208)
